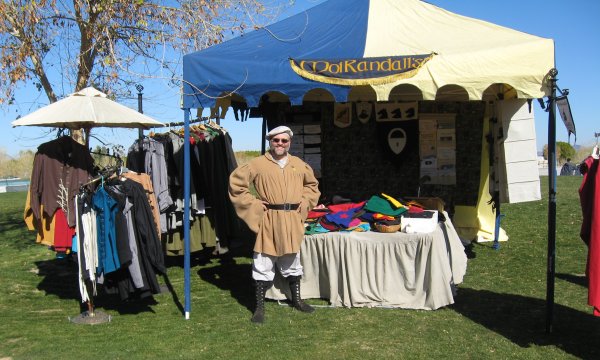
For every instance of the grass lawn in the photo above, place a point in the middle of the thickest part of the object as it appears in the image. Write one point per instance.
(499, 311)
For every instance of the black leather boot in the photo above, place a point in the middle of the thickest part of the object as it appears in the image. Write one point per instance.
(260, 290)
(297, 302)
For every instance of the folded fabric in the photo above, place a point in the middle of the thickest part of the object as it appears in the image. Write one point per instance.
(346, 206)
(342, 218)
(389, 222)
(379, 216)
(317, 213)
(421, 215)
(361, 227)
(415, 209)
(328, 225)
(315, 228)
(367, 216)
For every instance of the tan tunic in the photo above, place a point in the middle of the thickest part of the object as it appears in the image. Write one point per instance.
(278, 232)
(144, 180)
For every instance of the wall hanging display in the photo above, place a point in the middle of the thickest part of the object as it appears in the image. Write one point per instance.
(437, 148)
(342, 117)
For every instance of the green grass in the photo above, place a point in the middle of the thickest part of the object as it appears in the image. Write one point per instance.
(499, 312)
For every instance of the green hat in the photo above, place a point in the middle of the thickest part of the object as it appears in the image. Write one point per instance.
(377, 204)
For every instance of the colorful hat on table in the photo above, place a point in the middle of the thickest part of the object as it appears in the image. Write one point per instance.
(385, 205)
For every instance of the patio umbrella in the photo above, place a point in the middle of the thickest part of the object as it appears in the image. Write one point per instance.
(87, 108)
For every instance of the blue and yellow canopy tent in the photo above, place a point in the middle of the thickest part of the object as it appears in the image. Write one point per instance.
(406, 48)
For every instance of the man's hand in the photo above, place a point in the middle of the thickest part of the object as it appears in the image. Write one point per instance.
(264, 205)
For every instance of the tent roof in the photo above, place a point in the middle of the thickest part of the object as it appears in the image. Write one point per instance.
(467, 52)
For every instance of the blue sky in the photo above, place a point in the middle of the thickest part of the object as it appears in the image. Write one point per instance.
(572, 25)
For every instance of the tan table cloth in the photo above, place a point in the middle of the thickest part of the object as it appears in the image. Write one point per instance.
(354, 269)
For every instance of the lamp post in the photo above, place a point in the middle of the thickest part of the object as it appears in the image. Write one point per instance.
(140, 88)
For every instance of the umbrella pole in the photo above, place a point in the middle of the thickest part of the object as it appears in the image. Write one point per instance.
(86, 134)
(550, 270)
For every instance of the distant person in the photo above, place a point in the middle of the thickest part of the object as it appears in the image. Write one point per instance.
(568, 168)
(286, 189)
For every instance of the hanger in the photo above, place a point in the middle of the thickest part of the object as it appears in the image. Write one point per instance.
(213, 124)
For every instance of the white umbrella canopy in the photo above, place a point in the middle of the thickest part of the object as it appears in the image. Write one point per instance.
(87, 108)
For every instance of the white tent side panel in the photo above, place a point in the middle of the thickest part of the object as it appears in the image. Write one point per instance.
(519, 175)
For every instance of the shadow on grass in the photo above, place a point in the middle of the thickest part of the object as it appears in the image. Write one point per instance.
(60, 278)
(574, 279)
(11, 223)
(233, 277)
(14, 232)
(522, 320)
(126, 307)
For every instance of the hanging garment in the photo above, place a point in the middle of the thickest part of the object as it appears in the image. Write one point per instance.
(44, 226)
(149, 157)
(168, 142)
(202, 235)
(144, 180)
(87, 246)
(138, 237)
(148, 239)
(60, 167)
(63, 233)
(106, 210)
(134, 266)
(589, 196)
(217, 162)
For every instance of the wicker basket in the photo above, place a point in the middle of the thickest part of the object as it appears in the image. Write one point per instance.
(387, 228)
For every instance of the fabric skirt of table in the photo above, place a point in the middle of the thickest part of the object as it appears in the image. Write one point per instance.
(354, 269)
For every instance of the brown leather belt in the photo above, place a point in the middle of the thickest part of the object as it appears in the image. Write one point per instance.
(285, 207)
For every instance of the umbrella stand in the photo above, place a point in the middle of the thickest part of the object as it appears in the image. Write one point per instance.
(90, 316)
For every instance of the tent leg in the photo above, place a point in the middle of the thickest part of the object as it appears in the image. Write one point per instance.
(499, 217)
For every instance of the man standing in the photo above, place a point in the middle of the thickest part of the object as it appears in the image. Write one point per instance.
(286, 190)
(568, 168)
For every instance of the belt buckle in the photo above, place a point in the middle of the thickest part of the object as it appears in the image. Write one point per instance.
(287, 207)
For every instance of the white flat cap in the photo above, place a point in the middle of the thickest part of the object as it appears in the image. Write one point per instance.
(280, 130)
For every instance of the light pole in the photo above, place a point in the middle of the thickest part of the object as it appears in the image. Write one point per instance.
(140, 88)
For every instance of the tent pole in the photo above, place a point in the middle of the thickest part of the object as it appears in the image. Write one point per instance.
(186, 210)
(550, 271)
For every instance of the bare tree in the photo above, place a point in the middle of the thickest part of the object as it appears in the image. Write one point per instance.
(63, 46)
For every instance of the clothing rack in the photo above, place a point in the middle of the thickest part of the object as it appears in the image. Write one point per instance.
(106, 172)
(105, 154)
(181, 123)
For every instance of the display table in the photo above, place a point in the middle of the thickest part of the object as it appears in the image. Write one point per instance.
(358, 269)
